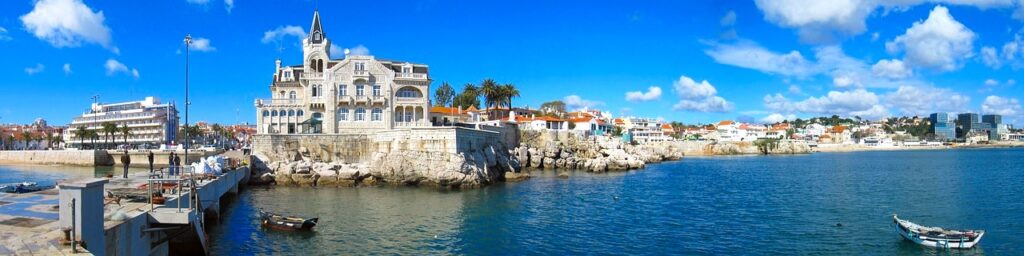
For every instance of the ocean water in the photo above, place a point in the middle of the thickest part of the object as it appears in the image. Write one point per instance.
(817, 204)
(50, 174)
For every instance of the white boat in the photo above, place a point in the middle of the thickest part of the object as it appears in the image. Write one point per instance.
(937, 237)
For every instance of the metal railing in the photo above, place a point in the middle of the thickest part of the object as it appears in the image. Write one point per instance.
(175, 175)
(411, 75)
(279, 102)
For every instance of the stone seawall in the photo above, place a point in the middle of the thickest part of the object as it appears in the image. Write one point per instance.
(62, 157)
(711, 148)
(441, 156)
(139, 158)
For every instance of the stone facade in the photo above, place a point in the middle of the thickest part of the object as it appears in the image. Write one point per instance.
(358, 94)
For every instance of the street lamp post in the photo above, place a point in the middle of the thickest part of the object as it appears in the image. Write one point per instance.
(94, 117)
(188, 44)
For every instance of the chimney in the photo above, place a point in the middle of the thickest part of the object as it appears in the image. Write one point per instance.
(278, 66)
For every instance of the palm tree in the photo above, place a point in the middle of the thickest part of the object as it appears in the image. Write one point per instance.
(81, 132)
(92, 136)
(26, 137)
(218, 131)
(490, 91)
(126, 132)
(510, 91)
(109, 129)
(9, 142)
(39, 140)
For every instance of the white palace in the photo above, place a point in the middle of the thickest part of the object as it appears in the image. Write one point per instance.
(354, 95)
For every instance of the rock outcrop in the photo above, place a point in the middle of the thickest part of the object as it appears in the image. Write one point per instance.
(472, 169)
(595, 154)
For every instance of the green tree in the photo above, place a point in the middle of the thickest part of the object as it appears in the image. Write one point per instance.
(27, 138)
(553, 106)
(510, 91)
(81, 132)
(470, 96)
(491, 92)
(109, 129)
(444, 95)
(9, 142)
(125, 131)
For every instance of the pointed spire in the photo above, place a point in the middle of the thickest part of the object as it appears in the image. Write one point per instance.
(316, 32)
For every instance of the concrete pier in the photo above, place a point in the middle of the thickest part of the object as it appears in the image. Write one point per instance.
(35, 223)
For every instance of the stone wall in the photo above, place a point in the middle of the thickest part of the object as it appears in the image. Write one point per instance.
(140, 157)
(64, 157)
(350, 148)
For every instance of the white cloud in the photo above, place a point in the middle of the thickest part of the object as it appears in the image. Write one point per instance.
(891, 69)
(652, 93)
(990, 57)
(844, 70)
(940, 42)
(921, 100)
(795, 89)
(751, 56)
(825, 21)
(575, 102)
(67, 68)
(67, 23)
(35, 70)
(700, 97)
(135, 73)
(777, 118)
(114, 67)
(875, 36)
(991, 82)
(359, 50)
(229, 4)
(1001, 106)
(857, 102)
(278, 34)
(201, 2)
(200, 44)
(3, 34)
(336, 52)
(729, 19)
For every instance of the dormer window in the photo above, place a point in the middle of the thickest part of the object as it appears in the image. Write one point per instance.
(406, 70)
(359, 66)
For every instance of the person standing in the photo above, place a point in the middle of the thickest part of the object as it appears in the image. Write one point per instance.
(177, 164)
(150, 158)
(170, 164)
(126, 160)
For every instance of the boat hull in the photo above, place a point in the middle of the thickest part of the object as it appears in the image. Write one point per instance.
(282, 223)
(908, 232)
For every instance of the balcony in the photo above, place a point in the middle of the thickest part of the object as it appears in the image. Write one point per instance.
(413, 76)
(408, 100)
(312, 75)
(358, 73)
(279, 102)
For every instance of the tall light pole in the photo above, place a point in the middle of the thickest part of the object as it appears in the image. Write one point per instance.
(94, 117)
(188, 44)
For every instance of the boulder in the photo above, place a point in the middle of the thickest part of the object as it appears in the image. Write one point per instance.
(304, 180)
(283, 178)
(327, 181)
(516, 176)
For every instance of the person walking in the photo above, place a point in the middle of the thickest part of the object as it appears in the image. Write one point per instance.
(150, 158)
(126, 160)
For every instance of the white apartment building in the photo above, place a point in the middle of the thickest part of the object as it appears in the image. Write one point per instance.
(150, 122)
(354, 95)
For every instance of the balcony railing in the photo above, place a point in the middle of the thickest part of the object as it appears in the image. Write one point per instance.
(279, 102)
(411, 75)
(408, 99)
(313, 75)
(358, 72)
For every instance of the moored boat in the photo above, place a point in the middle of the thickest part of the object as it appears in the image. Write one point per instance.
(286, 223)
(937, 237)
(24, 187)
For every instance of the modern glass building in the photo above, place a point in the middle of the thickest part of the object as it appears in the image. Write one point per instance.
(942, 127)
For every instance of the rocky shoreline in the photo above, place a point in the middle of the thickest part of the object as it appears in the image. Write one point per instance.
(491, 164)
(477, 168)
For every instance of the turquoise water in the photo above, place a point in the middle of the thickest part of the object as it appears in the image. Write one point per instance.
(716, 205)
(50, 174)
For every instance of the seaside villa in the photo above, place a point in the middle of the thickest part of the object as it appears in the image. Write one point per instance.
(357, 94)
(353, 108)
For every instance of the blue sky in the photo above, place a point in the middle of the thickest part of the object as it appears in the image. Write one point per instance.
(689, 61)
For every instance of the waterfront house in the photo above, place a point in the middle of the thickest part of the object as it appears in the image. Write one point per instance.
(357, 94)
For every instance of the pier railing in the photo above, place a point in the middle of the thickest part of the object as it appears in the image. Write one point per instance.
(183, 177)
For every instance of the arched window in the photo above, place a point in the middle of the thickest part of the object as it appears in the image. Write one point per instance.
(343, 114)
(409, 92)
(360, 114)
(273, 113)
(292, 95)
(318, 116)
(298, 113)
(312, 65)
(320, 65)
(291, 112)
(376, 114)
(266, 113)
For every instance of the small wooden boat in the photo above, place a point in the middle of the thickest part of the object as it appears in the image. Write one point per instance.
(937, 237)
(24, 187)
(286, 223)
